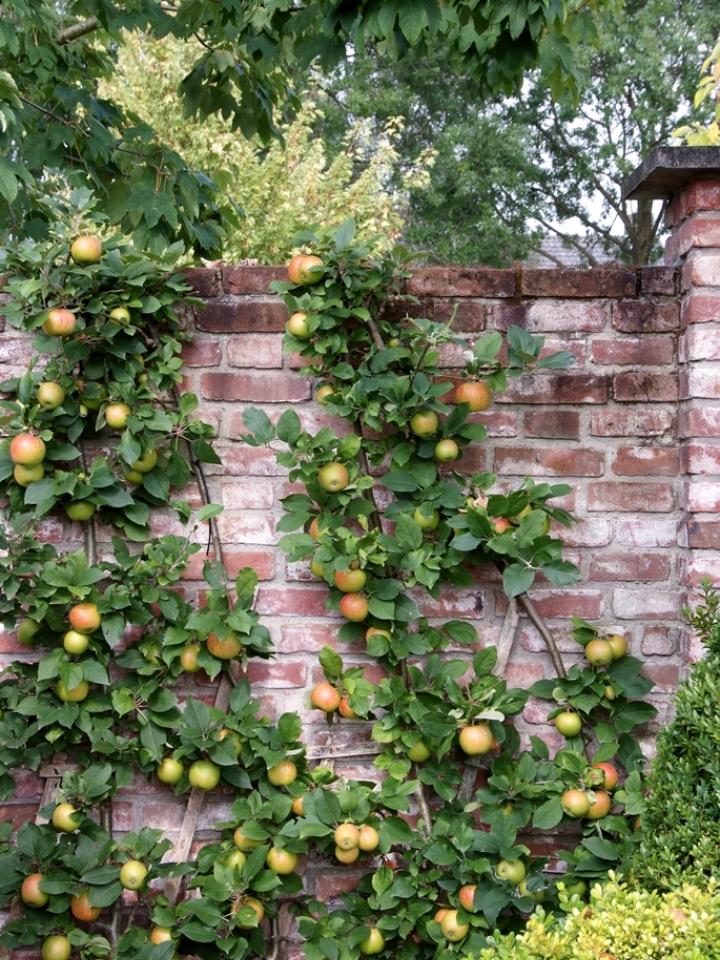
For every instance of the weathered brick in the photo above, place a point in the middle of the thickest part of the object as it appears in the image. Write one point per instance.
(700, 380)
(284, 673)
(247, 526)
(701, 230)
(205, 281)
(586, 532)
(697, 421)
(659, 640)
(658, 280)
(646, 461)
(703, 534)
(250, 279)
(701, 496)
(646, 316)
(462, 282)
(549, 461)
(255, 350)
(242, 316)
(700, 343)
(631, 497)
(641, 567)
(567, 316)
(701, 269)
(565, 604)
(701, 458)
(646, 604)
(600, 282)
(634, 387)
(469, 316)
(202, 353)
(647, 532)
(238, 494)
(557, 388)
(557, 424)
(306, 601)
(234, 559)
(258, 387)
(700, 306)
(498, 423)
(630, 423)
(645, 351)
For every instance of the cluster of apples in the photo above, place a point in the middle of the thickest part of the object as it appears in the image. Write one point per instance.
(303, 270)
(84, 620)
(595, 802)
(353, 605)
(453, 928)
(600, 652)
(324, 696)
(350, 840)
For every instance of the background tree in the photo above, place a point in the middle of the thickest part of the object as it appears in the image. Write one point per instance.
(270, 190)
(508, 173)
(55, 128)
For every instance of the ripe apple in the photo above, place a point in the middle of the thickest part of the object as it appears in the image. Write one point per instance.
(350, 581)
(297, 326)
(568, 723)
(50, 394)
(120, 314)
(60, 323)
(369, 838)
(116, 415)
(476, 739)
(575, 803)
(511, 870)
(24, 476)
(501, 524)
(80, 510)
(84, 617)
(133, 874)
(226, 649)
(345, 710)
(419, 752)
(354, 607)
(204, 775)
(298, 806)
(189, 658)
(244, 843)
(610, 775)
(475, 394)
(303, 269)
(86, 249)
(466, 896)
(65, 818)
(619, 645)
(74, 694)
(56, 947)
(27, 450)
(333, 477)
(236, 860)
(169, 770)
(598, 652)
(30, 892)
(446, 450)
(81, 908)
(440, 914)
(346, 836)
(347, 856)
(325, 697)
(373, 943)
(324, 391)
(26, 631)
(75, 642)
(281, 861)
(424, 521)
(160, 935)
(282, 774)
(451, 927)
(314, 529)
(424, 423)
(257, 909)
(147, 462)
(600, 806)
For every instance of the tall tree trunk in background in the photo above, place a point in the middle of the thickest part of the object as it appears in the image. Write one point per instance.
(644, 232)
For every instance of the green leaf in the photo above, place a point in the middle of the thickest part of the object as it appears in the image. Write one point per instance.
(548, 814)
(517, 579)
(260, 426)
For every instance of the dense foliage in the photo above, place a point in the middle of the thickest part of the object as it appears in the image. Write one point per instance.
(510, 172)
(56, 128)
(682, 820)
(621, 923)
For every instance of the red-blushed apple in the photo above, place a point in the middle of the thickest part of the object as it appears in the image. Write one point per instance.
(424, 423)
(27, 450)
(325, 697)
(476, 739)
(333, 477)
(475, 394)
(86, 249)
(60, 323)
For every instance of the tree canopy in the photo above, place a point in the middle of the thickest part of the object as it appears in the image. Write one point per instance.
(55, 127)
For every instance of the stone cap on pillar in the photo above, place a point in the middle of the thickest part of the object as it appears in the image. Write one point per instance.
(667, 170)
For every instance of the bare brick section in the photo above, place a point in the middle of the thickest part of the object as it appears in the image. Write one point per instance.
(601, 282)
(651, 387)
(549, 462)
(556, 424)
(646, 316)
(642, 351)
(462, 282)
(257, 387)
(242, 316)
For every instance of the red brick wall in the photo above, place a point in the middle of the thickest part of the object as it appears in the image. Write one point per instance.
(622, 426)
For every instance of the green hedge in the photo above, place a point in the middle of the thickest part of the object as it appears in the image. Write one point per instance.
(621, 923)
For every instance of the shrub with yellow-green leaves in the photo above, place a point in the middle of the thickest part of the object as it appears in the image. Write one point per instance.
(279, 189)
(621, 923)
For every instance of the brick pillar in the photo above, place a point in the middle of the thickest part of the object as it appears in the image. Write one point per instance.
(689, 179)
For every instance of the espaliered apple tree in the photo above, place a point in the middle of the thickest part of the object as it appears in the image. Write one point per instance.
(456, 863)
(96, 429)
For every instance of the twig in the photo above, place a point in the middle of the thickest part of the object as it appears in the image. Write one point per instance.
(544, 632)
